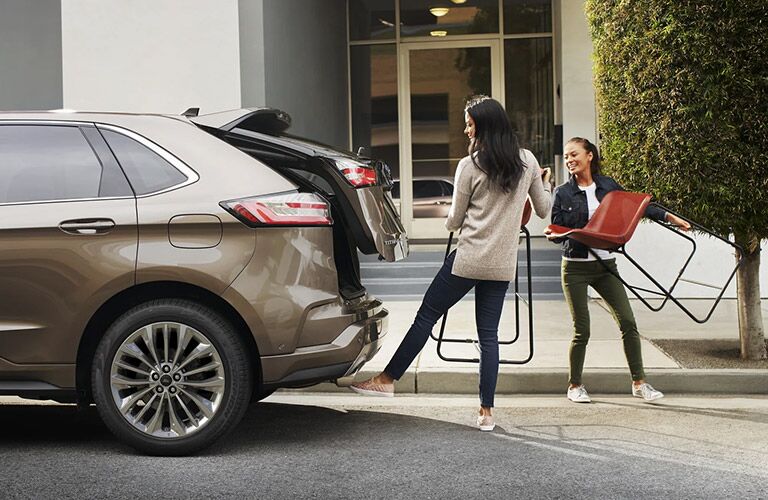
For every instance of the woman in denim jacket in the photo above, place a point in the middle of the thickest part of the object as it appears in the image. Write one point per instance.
(575, 202)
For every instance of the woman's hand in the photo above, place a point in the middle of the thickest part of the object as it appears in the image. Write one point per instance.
(546, 175)
(677, 221)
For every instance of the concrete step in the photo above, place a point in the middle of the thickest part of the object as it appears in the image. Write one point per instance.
(397, 270)
(409, 279)
(547, 291)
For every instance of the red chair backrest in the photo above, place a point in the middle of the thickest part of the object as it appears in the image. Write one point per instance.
(616, 219)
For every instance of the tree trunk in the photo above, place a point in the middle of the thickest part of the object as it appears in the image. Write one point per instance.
(751, 332)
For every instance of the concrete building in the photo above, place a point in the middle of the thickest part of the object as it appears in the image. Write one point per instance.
(387, 75)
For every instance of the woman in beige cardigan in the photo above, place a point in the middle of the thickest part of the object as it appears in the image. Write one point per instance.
(490, 190)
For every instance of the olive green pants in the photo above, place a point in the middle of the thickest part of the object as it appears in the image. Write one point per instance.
(576, 277)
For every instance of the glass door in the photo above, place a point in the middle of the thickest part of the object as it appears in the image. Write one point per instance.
(435, 80)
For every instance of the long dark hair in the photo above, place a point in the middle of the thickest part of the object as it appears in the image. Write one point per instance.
(496, 145)
(595, 166)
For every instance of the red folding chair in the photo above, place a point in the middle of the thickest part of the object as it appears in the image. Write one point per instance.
(527, 210)
(611, 227)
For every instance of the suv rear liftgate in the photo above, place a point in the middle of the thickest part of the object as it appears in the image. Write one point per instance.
(358, 188)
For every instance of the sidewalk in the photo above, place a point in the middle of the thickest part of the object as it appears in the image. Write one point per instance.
(547, 373)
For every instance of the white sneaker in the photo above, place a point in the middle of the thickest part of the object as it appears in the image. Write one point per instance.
(485, 423)
(646, 391)
(578, 395)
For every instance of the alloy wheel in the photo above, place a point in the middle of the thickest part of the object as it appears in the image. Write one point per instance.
(167, 380)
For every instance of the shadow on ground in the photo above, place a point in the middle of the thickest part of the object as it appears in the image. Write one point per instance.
(296, 451)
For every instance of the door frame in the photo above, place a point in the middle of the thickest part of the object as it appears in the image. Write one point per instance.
(431, 228)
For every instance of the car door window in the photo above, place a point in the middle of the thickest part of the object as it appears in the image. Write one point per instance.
(147, 171)
(46, 162)
(426, 189)
(447, 188)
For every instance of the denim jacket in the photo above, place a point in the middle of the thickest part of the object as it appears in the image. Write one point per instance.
(570, 209)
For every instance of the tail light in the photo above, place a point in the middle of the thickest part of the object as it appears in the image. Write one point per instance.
(285, 209)
(357, 174)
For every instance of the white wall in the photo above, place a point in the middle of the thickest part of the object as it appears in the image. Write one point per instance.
(150, 55)
(576, 91)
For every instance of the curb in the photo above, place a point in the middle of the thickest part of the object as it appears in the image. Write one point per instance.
(554, 381)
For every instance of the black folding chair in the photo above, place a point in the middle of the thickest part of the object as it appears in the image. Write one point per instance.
(518, 298)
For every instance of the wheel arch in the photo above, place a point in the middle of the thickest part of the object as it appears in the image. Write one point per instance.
(131, 297)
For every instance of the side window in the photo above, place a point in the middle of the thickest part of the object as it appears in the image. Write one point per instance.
(147, 171)
(447, 188)
(46, 162)
(426, 189)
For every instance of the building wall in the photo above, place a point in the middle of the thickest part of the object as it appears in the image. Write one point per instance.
(252, 78)
(30, 54)
(150, 55)
(577, 92)
(305, 66)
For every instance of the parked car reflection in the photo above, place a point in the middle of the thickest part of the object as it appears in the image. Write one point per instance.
(431, 196)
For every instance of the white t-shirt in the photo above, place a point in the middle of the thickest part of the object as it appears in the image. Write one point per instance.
(592, 204)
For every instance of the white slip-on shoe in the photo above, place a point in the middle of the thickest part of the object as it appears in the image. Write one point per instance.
(371, 388)
(485, 423)
(578, 395)
(647, 392)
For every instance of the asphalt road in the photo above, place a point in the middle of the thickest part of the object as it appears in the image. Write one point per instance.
(330, 446)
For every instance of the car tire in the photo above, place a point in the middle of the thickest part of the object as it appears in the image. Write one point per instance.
(170, 377)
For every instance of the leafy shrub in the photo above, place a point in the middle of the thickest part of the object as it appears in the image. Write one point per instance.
(683, 106)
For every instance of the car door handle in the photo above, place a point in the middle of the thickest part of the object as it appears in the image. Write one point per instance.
(87, 226)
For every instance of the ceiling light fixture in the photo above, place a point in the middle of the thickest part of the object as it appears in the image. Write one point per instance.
(458, 2)
(438, 33)
(439, 11)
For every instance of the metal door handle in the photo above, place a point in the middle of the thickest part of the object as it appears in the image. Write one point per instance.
(87, 226)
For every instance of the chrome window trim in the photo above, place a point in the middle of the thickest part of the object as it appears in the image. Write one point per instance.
(176, 163)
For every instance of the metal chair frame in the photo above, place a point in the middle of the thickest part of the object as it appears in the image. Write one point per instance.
(667, 293)
(518, 298)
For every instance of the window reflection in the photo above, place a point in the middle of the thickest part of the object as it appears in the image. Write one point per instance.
(374, 102)
(527, 16)
(529, 99)
(440, 18)
(441, 82)
(371, 19)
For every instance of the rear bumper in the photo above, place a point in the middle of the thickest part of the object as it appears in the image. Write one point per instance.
(344, 356)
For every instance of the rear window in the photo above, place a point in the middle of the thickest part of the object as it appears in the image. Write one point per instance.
(46, 162)
(147, 171)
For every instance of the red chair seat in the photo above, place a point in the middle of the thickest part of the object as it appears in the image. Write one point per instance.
(613, 223)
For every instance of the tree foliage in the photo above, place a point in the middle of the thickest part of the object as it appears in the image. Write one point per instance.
(683, 106)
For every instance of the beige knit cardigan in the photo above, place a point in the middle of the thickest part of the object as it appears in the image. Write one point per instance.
(489, 219)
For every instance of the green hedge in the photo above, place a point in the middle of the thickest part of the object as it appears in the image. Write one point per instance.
(683, 105)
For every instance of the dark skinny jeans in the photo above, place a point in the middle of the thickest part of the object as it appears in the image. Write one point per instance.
(445, 291)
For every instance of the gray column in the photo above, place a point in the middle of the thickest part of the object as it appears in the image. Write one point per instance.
(305, 61)
(30, 55)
